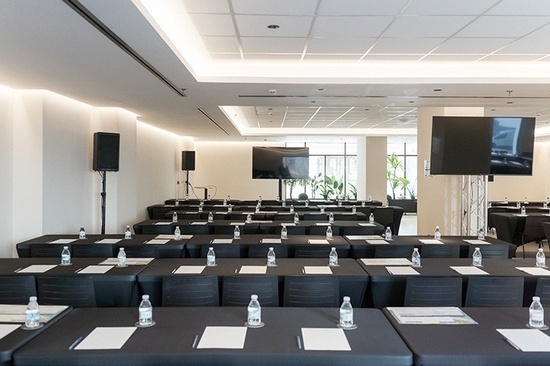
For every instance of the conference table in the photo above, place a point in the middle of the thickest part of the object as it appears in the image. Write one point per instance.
(13, 339)
(364, 246)
(472, 344)
(386, 289)
(509, 226)
(164, 245)
(352, 278)
(181, 336)
(116, 287)
(264, 214)
(293, 246)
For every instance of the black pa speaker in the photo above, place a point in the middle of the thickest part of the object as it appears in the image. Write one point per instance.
(187, 160)
(106, 151)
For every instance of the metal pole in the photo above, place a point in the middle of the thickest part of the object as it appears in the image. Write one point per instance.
(103, 201)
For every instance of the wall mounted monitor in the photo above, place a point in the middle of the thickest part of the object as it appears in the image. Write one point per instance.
(280, 162)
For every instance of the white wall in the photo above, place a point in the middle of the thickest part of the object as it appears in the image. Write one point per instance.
(6, 173)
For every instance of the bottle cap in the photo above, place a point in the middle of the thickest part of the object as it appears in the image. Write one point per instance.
(477, 248)
(346, 298)
(333, 248)
(65, 247)
(254, 297)
(270, 248)
(145, 297)
(32, 298)
(121, 248)
(415, 248)
(536, 298)
(210, 248)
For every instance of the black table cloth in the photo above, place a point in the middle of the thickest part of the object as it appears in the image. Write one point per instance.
(509, 226)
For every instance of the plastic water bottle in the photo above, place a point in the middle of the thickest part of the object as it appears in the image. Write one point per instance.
(284, 203)
(210, 257)
(249, 218)
(228, 198)
(257, 210)
(260, 200)
(32, 314)
(145, 311)
(210, 217)
(388, 234)
(177, 233)
(328, 233)
(237, 232)
(523, 210)
(322, 209)
(476, 258)
(339, 203)
(505, 200)
(177, 202)
(296, 218)
(363, 203)
(437, 233)
(127, 233)
(346, 313)
(415, 258)
(254, 311)
(225, 201)
(481, 234)
(284, 232)
(65, 256)
(370, 198)
(229, 208)
(536, 313)
(82, 233)
(291, 209)
(175, 217)
(121, 257)
(353, 209)
(307, 203)
(271, 262)
(331, 217)
(518, 205)
(371, 218)
(540, 258)
(333, 257)
(201, 208)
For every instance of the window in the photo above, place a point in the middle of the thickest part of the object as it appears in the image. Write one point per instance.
(402, 175)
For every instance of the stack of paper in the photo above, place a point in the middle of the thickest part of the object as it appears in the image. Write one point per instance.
(108, 241)
(376, 241)
(37, 268)
(430, 241)
(318, 241)
(222, 241)
(271, 241)
(535, 271)
(469, 270)
(253, 270)
(402, 271)
(430, 315)
(95, 270)
(189, 270)
(477, 242)
(386, 261)
(158, 241)
(62, 241)
(317, 270)
(223, 337)
(527, 340)
(106, 338)
(325, 339)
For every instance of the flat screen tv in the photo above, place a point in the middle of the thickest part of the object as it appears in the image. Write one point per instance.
(280, 162)
(482, 145)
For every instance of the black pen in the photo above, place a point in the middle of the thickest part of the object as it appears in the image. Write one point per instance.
(75, 343)
(195, 341)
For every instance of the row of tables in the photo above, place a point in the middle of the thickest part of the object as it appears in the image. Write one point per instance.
(184, 335)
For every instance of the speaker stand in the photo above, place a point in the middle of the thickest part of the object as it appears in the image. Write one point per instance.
(281, 189)
(187, 184)
(103, 200)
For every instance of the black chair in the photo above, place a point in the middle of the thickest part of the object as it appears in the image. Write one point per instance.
(46, 250)
(546, 229)
(499, 251)
(393, 251)
(311, 251)
(532, 231)
(260, 250)
(92, 250)
(384, 216)
(284, 217)
(76, 291)
(190, 291)
(319, 217)
(543, 291)
(236, 290)
(494, 291)
(140, 251)
(440, 251)
(16, 289)
(433, 291)
(222, 250)
(311, 291)
(154, 229)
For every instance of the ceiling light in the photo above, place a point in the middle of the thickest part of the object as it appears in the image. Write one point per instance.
(510, 102)
(273, 26)
(438, 90)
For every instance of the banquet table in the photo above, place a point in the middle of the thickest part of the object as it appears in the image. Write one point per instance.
(171, 341)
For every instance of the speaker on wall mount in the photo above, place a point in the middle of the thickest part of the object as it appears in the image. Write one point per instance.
(106, 151)
(187, 160)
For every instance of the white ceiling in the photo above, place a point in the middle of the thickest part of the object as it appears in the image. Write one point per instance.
(333, 67)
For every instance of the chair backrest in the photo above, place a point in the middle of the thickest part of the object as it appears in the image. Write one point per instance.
(533, 229)
(46, 250)
(16, 289)
(311, 291)
(260, 250)
(543, 290)
(236, 290)
(190, 291)
(393, 251)
(440, 251)
(222, 250)
(494, 291)
(154, 229)
(433, 291)
(546, 228)
(384, 216)
(91, 250)
(77, 291)
(499, 251)
(140, 251)
(311, 251)
(320, 217)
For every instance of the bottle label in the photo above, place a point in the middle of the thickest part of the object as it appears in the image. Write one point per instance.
(65, 258)
(145, 315)
(211, 260)
(254, 316)
(32, 317)
(346, 317)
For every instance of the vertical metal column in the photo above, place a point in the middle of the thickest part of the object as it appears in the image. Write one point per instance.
(473, 204)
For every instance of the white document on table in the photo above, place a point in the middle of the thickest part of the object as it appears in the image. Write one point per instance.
(158, 241)
(288, 224)
(469, 270)
(199, 223)
(95, 269)
(322, 223)
(6, 329)
(318, 241)
(430, 315)
(402, 271)
(365, 224)
(527, 340)
(222, 241)
(237, 223)
(386, 261)
(108, 241)
(170, 237)
(376, 241)
(189, 270)
(317, 270)
(271, 241)
(223, 337)
(162, 223)
(253, 270)
(129, 261)
(430, 241)
(535, 271)
(477, 242)
(325, 339)
(362, 237)
(16, 313)
(62, 241)
(37, 268)
(106, 338)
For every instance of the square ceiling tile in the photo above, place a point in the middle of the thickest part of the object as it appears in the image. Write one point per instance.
(339, 45)
(206, 6)
(502, 26)
(405, 45)
(527, 45)
(213, 24)
(472, 45)
(221, 44)
(272, 45)
(354, 7)
(427, 26)
(350, 26)
(521, 7)
(439, 7)
(256, 26)
(279, 7)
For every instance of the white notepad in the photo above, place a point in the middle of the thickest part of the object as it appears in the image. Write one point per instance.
(189, 270)
(402, 271)
(95, 269)
(288, 224)
(271, 241)
(222, 241)
(317, 270)
(430, 241)
(376, 241)
(386, 261)
(108, 241)
(477, 242)
(162, 223)
(365, 224)
(158, 241)
(6, 329)
(199, 223)
(527, 340)
(535, 271)
(237, 223)
(223, 337)
(322, 223)
(62, 241)
(469, 270)
(362, 237)
(37, 268)
(106, 338)
(129, 261)
(253, 270)
(318, 241)
(325, 339)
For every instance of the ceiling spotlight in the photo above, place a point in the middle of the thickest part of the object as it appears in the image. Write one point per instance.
(320, 89)
(411, 101)
(510, 102)
(273, 26)
(438, 90)
(313, 101)
(272, 91)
